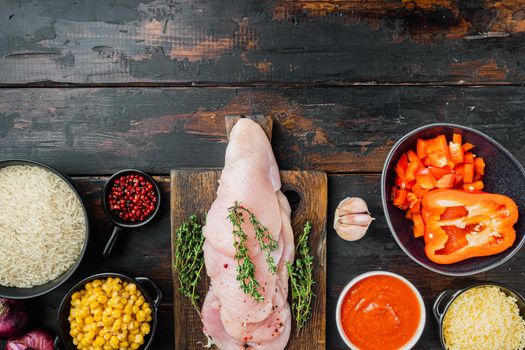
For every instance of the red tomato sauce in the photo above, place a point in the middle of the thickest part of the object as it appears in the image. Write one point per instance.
(380, 312)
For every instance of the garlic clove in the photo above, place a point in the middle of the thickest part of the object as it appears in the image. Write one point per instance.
(350, 232)
(356, 219)
(352, 219)
(352, 205)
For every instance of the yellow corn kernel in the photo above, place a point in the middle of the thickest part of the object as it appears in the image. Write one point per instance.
(128, 309)
(140, 301)
(145, 328)
(116, 325)
(135, 346)
(99, 341)
(124, 345)
(107, 320)
(114, 342)
(139, 339)
(96, 283)
(132, 325)
(75, 296)
(116, 313)
(102, 299)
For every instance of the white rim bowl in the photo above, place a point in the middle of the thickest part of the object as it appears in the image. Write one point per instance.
(422, 319)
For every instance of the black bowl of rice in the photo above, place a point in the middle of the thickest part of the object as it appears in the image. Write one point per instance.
(44, 229)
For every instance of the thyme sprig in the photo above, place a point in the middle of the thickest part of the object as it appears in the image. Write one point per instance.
(266, 241)
(245, 267)
(301, 279)
(189, 258)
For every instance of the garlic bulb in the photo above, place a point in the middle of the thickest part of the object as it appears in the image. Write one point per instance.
(352, 219)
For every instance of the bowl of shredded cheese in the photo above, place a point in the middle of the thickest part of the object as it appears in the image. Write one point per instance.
(484, 316)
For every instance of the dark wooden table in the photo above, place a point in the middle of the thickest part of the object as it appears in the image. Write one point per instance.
(91, 87)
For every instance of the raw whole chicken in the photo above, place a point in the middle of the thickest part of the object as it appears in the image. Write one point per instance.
(233, 319)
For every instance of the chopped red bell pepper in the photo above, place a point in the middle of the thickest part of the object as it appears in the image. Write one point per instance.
(410, 173)
(479, 166)
(438, 159)
(447, 181)
(456, 152)
(467, 147)
(425, 179)
(419, 191)
(440, 172)
(475, 186)
(421, 148)
(401, 166)
(457, 138)
(419, 225)
(413, 158)
(468, 173)
(468, 158)
(399, 197)
(461, 225)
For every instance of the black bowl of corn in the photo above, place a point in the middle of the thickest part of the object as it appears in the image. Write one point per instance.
(109, 311)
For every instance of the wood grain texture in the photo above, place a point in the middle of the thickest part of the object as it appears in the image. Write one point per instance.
(224, 41)
(264, 121)
(311, 188)
(99, 131)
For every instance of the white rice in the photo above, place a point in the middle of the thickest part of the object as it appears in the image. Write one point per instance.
(42, 226)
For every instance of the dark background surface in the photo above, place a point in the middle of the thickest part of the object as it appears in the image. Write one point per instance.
(91, 87)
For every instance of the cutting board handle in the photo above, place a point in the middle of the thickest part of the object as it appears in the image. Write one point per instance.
(265, 121)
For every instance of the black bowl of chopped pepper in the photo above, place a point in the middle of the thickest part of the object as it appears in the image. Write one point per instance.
(131, 199)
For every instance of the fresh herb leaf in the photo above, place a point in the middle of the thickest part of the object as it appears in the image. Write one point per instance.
(189, 258)
(266, 241)
(301, 279)
(245, 267)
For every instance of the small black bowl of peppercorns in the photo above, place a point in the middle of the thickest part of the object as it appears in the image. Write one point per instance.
(130, 198)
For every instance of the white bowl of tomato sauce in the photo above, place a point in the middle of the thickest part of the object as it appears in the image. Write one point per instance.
(380, 310)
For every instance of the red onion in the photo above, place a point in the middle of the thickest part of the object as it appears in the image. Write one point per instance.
(37, 339)
(13, 318)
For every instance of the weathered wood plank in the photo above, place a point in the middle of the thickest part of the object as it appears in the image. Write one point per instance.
(223, 41)
(98, 131)
(311, 189)
(147, 252)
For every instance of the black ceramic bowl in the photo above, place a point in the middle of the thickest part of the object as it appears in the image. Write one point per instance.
(446, 298)
(119, 224)
(24, 293)
(503, 174)
(141, 282)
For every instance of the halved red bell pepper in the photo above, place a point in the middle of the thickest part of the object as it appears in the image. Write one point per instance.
(461, 225)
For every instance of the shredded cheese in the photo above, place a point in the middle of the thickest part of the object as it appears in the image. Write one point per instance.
(484, 318)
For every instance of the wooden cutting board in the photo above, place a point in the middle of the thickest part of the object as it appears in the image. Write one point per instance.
(193, 191)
